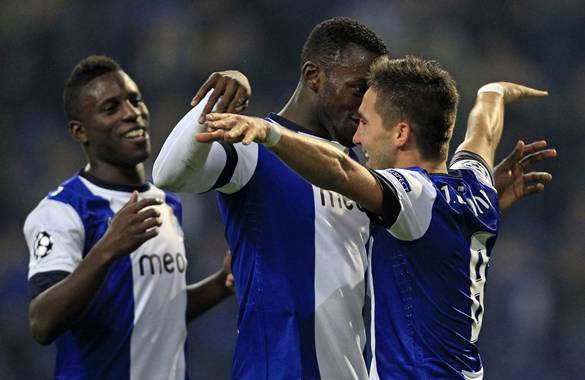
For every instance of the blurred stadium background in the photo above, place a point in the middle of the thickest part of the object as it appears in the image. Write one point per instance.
(535, 323)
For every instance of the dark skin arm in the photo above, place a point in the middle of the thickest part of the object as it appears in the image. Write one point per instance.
(207, 293)
(54, 310)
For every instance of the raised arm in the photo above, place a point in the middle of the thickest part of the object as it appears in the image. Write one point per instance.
(184, 164)
(318, 162)
(486, 119)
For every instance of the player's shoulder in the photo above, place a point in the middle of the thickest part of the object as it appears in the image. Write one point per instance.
(473, 167)
(60, 205)
(407, 180)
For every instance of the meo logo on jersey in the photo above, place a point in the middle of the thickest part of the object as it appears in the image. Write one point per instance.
(43, 244)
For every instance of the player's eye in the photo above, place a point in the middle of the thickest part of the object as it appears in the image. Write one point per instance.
(110, 107)
(135, 100)
(359, 90)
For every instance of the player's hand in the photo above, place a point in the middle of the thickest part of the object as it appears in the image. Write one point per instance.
(227, 269)
(512, 181)
(233, 88)
(514, 91)
(133, 224)
(234, 128)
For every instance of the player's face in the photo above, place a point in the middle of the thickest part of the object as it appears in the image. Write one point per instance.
(115, 120)
(374, 137)
(342, 91)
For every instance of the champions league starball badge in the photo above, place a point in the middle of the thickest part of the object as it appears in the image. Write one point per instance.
(43, 244)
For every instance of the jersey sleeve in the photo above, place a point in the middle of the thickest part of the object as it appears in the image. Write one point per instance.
(186, 165)
(414, 195)
(55, 236)
(466, 160)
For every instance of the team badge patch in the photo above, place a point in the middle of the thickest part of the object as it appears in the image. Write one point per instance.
(43, 244)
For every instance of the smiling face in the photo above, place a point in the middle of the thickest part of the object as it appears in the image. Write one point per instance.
(341, 93)
(114, 121)
(375, 138)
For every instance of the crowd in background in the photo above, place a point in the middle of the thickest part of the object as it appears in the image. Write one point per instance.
(534, 326)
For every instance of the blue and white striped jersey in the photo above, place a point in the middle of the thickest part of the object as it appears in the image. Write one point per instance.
(428, 271)
(299, 263)
(298, 256)
(135, 328)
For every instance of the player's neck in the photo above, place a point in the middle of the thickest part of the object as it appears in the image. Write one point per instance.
(117, 174)
(412, 158)
(302, 111)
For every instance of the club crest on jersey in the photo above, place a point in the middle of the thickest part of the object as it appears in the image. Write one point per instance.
(401, 179)
(43, 244)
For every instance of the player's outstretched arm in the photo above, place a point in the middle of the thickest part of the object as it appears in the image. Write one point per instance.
(486, 119)
(318, 162)
(207, 293)
(513, 182)
(55, 309)
(183, 164)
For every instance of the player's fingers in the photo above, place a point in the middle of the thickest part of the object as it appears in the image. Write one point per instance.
(147, 213)
(217, 92)
(250, 136)
(534, 146)
(204, 89)
(145, 202)
(133, 199)
(208, 137)
(513, 158)
(533, 158)
(240, 101)
(148, 224)
(528, 91)
(533, 189)
(538, 177)
(223, 121)
(149, 234)
(216, 116)
(227, 96)
(237, 133)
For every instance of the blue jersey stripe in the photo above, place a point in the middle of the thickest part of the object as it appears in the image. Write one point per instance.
(98, 327)
(270, 228)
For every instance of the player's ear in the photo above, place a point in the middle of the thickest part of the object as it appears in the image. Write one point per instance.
(403, 134)
(312, 75)
(77, 131)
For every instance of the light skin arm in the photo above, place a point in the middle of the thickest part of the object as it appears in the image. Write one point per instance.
(486, 119)
(55, 309)
(207, 293)
(318, 162)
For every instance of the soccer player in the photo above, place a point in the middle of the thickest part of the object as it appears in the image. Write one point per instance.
(433, 227)
(299, 251)
(107, 257)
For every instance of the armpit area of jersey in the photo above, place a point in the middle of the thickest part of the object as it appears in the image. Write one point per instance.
(467, 155)
(390, 203)
(43, 281)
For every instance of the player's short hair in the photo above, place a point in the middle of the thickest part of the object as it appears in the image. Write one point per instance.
(422, 93)
(331, 37)
(86, 70)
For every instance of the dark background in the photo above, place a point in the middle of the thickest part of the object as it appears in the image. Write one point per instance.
(535, 321)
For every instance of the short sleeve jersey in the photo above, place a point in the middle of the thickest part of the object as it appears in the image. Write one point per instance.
(135, 328)
(428, 271)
